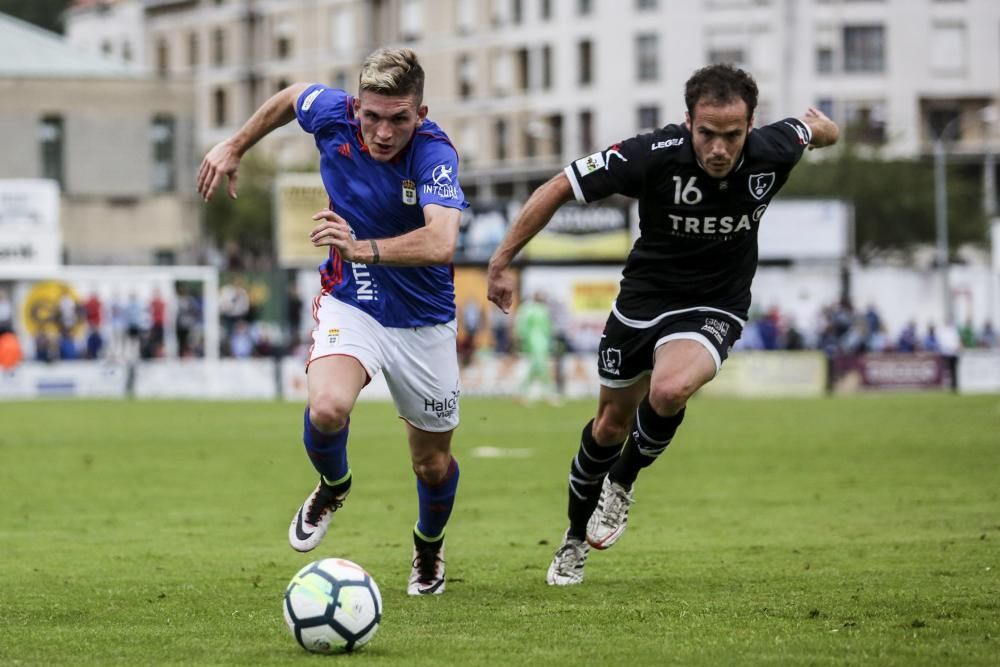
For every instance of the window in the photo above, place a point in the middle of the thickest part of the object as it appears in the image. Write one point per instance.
(126, 52)
(731, 56)
(940, 120)
(645, 4)
(825, 104)
(193, 49)
(106, 47)
(411, 19)
(585, 59)
(948, 47)
(546, 67)
(584, 7)
(649, 117)
(162, 134)
(645, 46)
(864, 48)
(339, 79)
(283, 47)
(522, 58)
(865, 121)
(500, 139)
(219, 111)
(555, 135)
(466, 75)
(586, 130)
(530, 139)
(824, 60)
(516, 11)
(467, 16)
(501, 72)
(218, 47)
(50, 142)
(162, 58)
(546, 9)
(342, 29)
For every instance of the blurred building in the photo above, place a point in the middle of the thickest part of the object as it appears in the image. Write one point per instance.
(524, 86)
(119, 144)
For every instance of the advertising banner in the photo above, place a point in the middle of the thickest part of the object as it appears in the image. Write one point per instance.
(888, 372)
(29, 223)
(979, 372)
(760, 374)
(583, 233)
(64, 380)
(297, 198)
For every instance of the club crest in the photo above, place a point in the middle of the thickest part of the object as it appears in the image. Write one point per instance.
(761, 184)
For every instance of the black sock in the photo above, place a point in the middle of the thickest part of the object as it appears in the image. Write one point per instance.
(650, 436)
(586, 474)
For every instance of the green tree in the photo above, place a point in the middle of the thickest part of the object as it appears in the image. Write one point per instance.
(894, 199)
(246, 220)
(44, 13)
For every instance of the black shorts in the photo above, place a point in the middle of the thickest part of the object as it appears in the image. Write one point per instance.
(627, 350)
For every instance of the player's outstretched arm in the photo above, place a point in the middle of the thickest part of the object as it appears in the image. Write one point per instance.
(824, 131)
(224, 158)
(434, 243)
(536, 213)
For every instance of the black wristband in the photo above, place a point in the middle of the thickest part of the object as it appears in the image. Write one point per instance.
(375, 255)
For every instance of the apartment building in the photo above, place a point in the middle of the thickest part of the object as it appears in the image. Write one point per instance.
(119, 144)
(524, 86)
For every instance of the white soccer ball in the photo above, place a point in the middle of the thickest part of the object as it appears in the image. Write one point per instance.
(332, 605)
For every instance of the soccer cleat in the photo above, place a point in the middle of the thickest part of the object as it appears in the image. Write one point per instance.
(609, 520)
(427, 576)
(311, 522)
(567, 565)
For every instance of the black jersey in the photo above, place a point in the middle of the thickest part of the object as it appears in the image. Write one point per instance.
(697, 244)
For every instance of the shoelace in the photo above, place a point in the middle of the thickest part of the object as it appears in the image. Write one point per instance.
(426, 563)
(324, 500)
(570, 549)
(617, 507)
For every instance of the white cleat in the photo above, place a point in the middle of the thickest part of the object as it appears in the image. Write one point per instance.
(427, 575)
(567, 565)
(610, 518)
(311, 522)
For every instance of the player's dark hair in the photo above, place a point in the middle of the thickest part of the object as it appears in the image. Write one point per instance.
(393, 72)
(720, 84)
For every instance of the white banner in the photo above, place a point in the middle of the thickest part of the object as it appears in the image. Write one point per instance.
(979, 372)
(224, 379)
(29, 223)
(66, 379)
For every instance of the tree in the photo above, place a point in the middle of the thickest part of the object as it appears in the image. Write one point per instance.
(244, 222)
(894, 200)
(43, 13)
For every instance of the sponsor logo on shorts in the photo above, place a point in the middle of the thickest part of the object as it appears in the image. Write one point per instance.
(611, 360)
(717, 328)
(442, 408)
(333, 335)
(409, 192)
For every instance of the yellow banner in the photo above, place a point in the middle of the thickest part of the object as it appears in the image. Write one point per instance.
(297, 198)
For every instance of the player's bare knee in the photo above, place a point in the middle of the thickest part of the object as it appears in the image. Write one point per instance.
(669, 398)
(327, 414)
(432, 470)
(609, 431)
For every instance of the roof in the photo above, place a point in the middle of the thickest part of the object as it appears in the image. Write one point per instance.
(29, 51)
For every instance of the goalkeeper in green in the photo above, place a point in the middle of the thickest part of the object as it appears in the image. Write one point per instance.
(534, 331)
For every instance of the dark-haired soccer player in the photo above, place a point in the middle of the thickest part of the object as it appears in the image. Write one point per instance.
(388, 300)
(685, 292)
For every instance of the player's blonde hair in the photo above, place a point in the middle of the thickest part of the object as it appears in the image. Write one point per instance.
(393, 72)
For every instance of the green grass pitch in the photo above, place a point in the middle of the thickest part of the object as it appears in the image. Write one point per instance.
(798, 532)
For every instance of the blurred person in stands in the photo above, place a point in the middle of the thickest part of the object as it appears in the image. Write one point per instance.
(6, 312)
(93, 311)
(10, 350)
(472, 322)
(702, 188)
(988, 336)
(388, 297)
